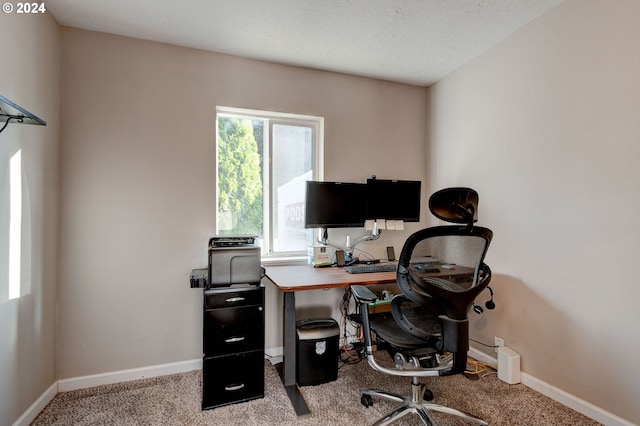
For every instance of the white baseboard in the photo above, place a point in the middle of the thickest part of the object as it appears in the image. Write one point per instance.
(275, 355)
(65, 385)
(573, 402)
(141, 373)
(128, 375)
(34, 409)
(565, 398)
(482, 357)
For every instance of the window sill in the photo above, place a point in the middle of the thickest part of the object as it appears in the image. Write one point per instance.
(290, 260)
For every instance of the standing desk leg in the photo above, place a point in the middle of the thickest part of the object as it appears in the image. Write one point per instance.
(288, 372)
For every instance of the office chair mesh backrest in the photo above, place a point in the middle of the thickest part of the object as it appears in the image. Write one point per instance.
(460, 250)
(440, 273)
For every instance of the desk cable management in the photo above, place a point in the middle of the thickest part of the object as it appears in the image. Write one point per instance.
(350, 352)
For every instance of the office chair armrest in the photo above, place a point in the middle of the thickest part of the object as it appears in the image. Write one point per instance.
(363, 297)
(363, 294)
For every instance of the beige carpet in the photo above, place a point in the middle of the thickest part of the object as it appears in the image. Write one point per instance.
(175, 400)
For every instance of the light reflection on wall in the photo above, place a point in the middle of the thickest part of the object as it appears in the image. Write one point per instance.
(15, 224)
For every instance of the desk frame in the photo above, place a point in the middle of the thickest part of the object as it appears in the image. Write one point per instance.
(292, 278)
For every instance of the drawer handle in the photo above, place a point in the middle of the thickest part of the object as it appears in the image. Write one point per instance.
(235, 299)
(234, 387)
(234, 339)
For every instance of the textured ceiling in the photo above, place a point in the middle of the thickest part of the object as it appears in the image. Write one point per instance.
(408, 41)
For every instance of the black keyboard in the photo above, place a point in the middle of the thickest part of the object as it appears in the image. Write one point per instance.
(375, 267)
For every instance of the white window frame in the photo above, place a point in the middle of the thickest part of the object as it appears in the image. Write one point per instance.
(274, 118)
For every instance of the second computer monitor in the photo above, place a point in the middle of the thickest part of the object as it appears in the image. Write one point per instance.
(393, 200)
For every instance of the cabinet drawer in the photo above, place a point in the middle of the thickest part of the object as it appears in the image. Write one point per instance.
(232, 378)
(233, 330)
(227, 298)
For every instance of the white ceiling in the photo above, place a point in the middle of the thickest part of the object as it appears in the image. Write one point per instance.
(408, 41)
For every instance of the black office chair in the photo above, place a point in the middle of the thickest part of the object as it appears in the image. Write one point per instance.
(440, 273)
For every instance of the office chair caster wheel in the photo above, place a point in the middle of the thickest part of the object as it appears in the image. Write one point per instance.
(366, 400)
(428, 395)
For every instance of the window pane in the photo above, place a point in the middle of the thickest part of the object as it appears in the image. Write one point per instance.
(292, 166)
(240, 187)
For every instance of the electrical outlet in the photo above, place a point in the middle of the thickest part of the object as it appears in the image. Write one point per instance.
(498, 342)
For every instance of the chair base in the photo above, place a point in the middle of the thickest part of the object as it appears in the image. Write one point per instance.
(417, 405)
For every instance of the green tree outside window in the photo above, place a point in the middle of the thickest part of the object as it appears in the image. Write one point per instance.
(240, 203)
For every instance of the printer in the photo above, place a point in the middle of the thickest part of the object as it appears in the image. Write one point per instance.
(233, 259)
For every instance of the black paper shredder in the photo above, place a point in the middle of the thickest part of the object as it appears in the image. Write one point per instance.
(317, 352)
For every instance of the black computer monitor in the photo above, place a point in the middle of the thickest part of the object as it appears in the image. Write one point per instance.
(335, 204)
(393, 199)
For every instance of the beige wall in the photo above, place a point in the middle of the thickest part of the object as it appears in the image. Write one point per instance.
(30, 76)
(545, 126)
(138, 180)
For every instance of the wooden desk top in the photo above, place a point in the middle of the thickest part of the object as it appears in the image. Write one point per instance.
(306, 277)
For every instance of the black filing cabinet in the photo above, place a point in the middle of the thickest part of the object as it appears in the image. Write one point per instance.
(233, 345)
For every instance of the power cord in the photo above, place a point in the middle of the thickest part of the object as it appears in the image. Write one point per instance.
(367, 255)
(483, 344)
(478, 368)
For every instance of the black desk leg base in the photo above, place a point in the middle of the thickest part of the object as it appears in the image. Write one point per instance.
(298, 402)
(295, 396)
